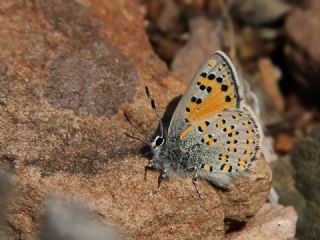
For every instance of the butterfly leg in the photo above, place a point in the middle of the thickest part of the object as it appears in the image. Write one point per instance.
(195, 183)
(161, 178)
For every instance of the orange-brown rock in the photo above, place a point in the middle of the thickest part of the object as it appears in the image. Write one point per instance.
(69, 70)
(269, 79)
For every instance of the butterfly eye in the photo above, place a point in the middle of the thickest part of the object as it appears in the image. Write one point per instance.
(158, 141)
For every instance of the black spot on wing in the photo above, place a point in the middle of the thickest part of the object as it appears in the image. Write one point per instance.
(211, 76)
(224, 88)
(203, 74)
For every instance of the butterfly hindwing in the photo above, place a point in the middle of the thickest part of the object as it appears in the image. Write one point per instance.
(213, 89)
(227, 144)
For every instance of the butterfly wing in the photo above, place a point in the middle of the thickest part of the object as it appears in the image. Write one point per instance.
(221, 137)
(224, 145)
(214, 88)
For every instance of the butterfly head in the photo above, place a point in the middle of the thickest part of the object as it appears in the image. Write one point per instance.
(163, 155)
(157, 146)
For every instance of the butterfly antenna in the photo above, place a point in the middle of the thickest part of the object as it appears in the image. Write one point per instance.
(138, 130)
(154, 108)
(136, 138)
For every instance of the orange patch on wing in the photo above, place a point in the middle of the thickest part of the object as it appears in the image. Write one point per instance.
(212, 63)
(242, 163)
(223, 157)
(188, 129)
(226, 74)
(226, 168)
(221, 67)
(203, 81)
(206, 167)
(216, 101)
(232, 141)
(209, 140)
(192, 106)
(232, 149)
(247, 152)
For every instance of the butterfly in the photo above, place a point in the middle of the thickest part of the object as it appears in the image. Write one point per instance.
(213, 134)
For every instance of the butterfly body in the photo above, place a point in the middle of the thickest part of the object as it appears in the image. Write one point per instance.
(212, 134)
(176, 160)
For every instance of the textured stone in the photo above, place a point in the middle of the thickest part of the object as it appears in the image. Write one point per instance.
(270, 222)
(63, 127)
(66, 220)
(241, 201)
(88, 75)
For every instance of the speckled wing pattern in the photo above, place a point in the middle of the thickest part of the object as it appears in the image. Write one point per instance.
(213, 89)
(209, 116)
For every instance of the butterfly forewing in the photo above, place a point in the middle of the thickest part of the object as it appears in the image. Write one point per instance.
(214, 88)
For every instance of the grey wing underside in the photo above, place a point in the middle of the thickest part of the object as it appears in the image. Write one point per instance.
(226, 145)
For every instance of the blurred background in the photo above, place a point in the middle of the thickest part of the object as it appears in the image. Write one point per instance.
(274, 45)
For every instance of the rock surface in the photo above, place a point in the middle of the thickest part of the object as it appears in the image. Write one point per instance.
(270, 222)
(259, 11)
(284, 183)
(302, 52)
(305, 158)
(268, 92)
(63, 218)
(203, 42)
(269, 79)
(68, 73)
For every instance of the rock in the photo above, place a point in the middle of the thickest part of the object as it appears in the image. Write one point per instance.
(168, 16)
(304, 3)
(284, 142)
(5, 193)
(265, 86)
(259, 11)
(268, 149)
(166, 26)
(269, 79)
(254, 188)
(300, 118)
(270, 222)
(305, 158)
(284, 183)
(66, 220)
(258, 98)
(302, 52)
(203, 42)
(63, 130)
